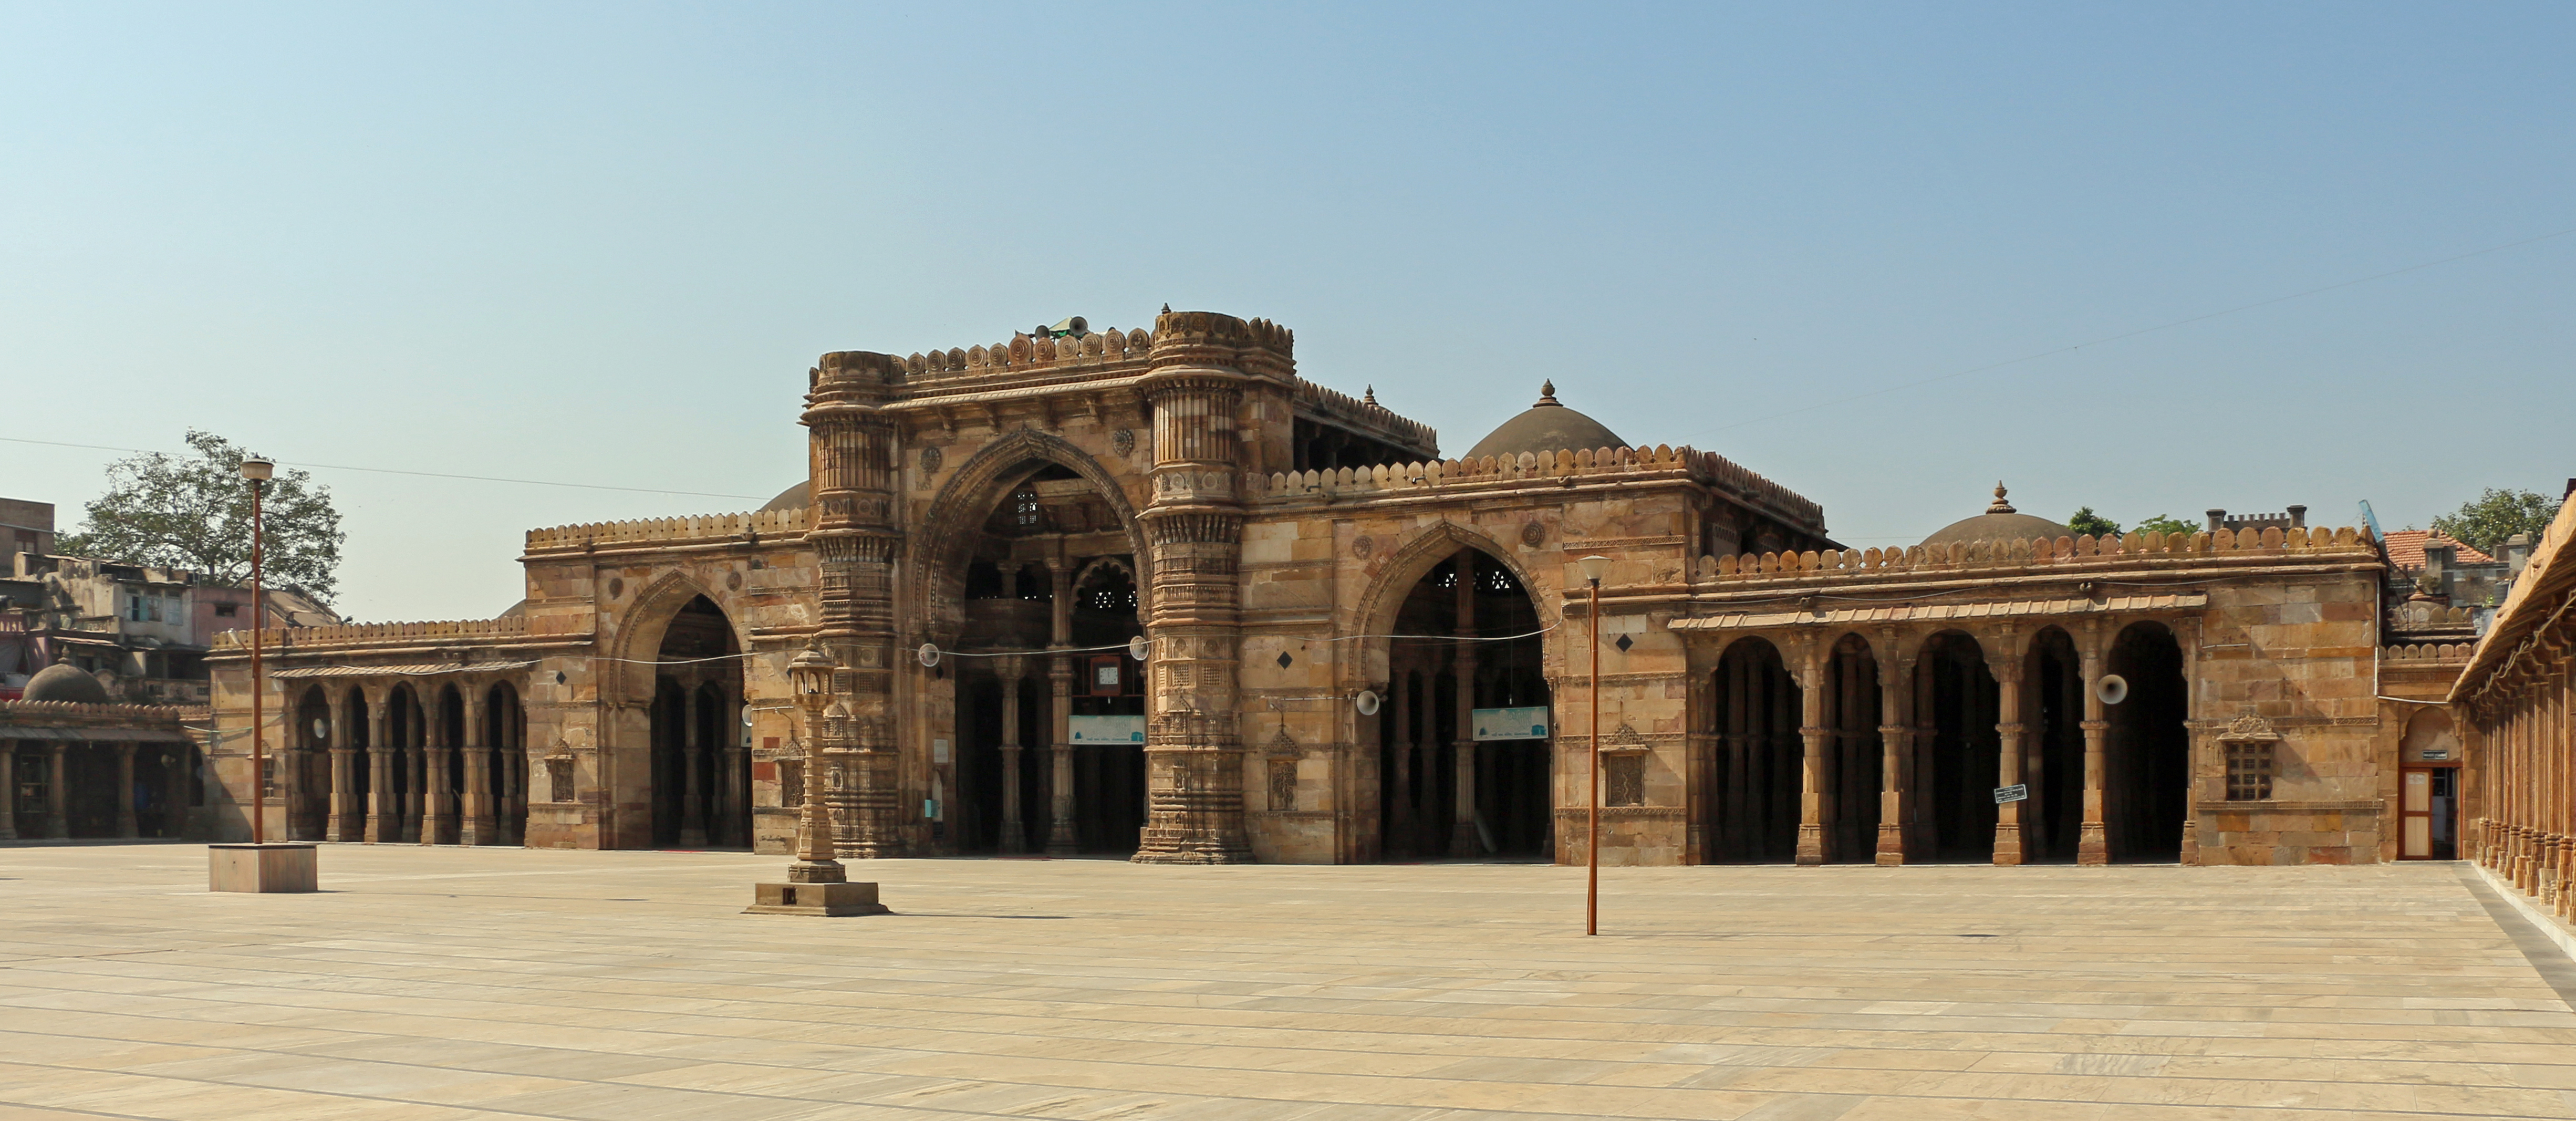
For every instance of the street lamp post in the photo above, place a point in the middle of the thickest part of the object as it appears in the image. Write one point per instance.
(816, 883)
(258, 471)
(1594, 567)
(259, 866)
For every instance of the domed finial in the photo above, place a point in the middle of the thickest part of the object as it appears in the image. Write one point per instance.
(1547, 394)
(1369, 397)
(1999, 506)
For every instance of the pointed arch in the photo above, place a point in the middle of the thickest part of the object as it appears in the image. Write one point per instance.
(949, 527)
(1410, 562)
(642, 627)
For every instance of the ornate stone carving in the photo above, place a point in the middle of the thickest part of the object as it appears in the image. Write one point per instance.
(1533, 534)
(930, 459)
(1363, 545)
(2249, 727)
(1123, 441)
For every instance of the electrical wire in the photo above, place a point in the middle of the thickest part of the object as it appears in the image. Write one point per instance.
(399, 471)
(2071, 348)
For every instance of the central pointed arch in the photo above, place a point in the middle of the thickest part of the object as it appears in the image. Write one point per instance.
(949, 526)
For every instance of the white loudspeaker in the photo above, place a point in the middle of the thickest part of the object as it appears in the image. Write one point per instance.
(2113, 688)
(1138, 647)
(1367, 702)
(929, 654)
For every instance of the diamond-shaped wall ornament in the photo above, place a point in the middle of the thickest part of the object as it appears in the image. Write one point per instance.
(1623, 643)
(1285, 660)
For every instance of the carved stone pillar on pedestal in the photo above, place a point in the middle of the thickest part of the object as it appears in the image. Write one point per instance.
(1815, 803)
(474, 820)
(2093, 844)
(58, 794)
(384, 815)
(693, 760)
(125, 823)
(1064, 836)
(1896, 753)
(2004, 655)
(852, 451)
(1462, 838)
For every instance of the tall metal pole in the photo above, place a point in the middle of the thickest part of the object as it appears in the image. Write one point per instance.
(258, 686)
(1592, 846)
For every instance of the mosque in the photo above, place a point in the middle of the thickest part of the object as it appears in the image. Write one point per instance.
(1152, 594)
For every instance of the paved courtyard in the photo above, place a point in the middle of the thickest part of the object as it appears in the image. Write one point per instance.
(453, 983)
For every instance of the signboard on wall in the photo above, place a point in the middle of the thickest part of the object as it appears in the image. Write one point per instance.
(1511, 723)
(1106, 729)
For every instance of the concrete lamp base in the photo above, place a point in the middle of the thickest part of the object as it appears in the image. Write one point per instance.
(826, 900)
(262, 868)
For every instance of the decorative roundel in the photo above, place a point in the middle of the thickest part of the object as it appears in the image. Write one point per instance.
(1363, 545)
(930, 459)
(616, 586)
(1124, 440)
(1533, 534)
(733, 581)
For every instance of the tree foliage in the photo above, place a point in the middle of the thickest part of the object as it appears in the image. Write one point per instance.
(2483, 523)
(2168, 526)
(2085, 521)
(193, 512)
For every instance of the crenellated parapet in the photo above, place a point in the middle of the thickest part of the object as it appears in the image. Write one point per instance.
(1214, 340)
(2430, 653)
(693, 529)
(1366, 417)
(1708, 468)
(102, 715)
(2043, 555)
(508, 628)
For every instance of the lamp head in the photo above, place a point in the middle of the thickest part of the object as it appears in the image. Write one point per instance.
(256, 469)
(1594, 568)
(810, 673)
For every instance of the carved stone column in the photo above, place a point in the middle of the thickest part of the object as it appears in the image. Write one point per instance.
(2093, 843)
(1199, 368)
(1014, 833)
(1815, 803)
(8, 790)
(1736, 676)
(852, 449)
(1398, 828)
(125, 823)
(1064, 836)
(693, 759)
(2010, 847)
(384, 815)
(474, 821)
(439, 795)
(1896, 750)
(58, 800)
(1463, 840)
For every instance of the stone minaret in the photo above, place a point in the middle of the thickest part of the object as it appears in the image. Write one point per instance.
(1202, 369)
(853, 533)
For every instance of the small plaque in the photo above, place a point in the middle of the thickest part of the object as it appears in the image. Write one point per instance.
(2019, 791)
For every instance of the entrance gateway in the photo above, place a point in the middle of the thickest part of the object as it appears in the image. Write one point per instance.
(1767, 693)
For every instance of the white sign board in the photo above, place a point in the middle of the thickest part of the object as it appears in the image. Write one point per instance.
(2018, 791)
(1107, 729)
(1511, 723)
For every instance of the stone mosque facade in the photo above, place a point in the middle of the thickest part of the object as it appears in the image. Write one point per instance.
(1356, 650)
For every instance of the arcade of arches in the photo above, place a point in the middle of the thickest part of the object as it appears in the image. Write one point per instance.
(422, 758)
(1902, 752)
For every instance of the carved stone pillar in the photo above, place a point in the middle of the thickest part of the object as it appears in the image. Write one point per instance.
(1014, 833)
(1815, 802)
(1199, 370)
(2010, 846)
(1896, 751)
(1463, 840)
(474, 820)
(440, 794)
(58, 800)
(1064, 835)
(1736, 676)
(125, 823)
(8, 790)
(852, 448)
(693, 760)
(2093, 844)
(1398, 827)
(415, 765)
(384, 815)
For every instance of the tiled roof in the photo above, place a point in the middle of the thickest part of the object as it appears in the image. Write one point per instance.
(2406, 549)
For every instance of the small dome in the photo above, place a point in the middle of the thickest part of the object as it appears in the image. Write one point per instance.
(1547, 428)
(793, 498)
(2000, 522)
(63, 681)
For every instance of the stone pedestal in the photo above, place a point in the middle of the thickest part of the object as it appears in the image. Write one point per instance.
(262, 868)
(830, 900)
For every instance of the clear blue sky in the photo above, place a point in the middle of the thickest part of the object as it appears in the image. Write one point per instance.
(602, 243)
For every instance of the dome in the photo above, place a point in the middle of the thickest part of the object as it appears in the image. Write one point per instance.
(63, 681)
(2000, 522)
(1548, 427)
(793, 498)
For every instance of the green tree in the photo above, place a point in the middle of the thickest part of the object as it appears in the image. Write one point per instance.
(2167, 526)
(193, 512)
(2483, 523)
(2086, 521)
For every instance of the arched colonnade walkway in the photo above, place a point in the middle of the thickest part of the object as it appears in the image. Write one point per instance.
(1903, 747)
(405, 756)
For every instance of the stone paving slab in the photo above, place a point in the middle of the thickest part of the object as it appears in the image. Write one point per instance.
(447, 983)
